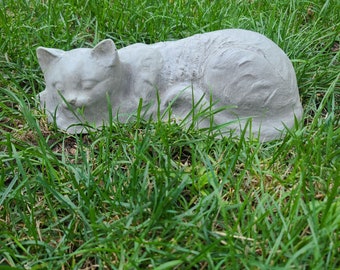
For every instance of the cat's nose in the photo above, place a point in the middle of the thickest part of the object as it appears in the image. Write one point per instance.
(73, 102)
(70, 103)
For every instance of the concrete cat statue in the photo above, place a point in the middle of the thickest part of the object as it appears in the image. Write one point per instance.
(238, 69)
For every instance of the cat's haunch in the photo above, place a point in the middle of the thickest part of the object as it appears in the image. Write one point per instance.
(240, 71)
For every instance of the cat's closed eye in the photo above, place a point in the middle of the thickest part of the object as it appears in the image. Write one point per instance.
(88, 85)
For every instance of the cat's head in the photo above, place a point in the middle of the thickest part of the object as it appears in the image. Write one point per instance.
(79, 83)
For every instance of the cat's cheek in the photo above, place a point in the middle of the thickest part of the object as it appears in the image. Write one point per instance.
(93, 99)
(82, 102)
(103, 88)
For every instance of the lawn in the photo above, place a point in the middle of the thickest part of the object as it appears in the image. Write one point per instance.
(156, 195)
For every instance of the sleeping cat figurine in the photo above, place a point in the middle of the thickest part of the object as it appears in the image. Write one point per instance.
(238, 74)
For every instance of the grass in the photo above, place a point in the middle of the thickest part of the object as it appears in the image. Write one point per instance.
(153, 195)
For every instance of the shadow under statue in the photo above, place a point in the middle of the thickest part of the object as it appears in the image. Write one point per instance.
(239, 70)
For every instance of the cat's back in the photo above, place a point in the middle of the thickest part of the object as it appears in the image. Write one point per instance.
(185, 59)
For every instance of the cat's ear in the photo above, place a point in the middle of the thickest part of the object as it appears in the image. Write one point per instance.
(105, 52)
(47, 55)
